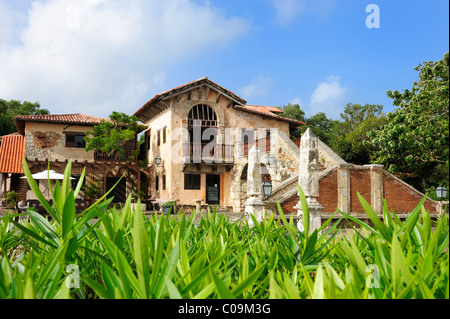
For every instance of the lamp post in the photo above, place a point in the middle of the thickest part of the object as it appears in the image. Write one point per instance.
(441, 192)
(266, 188)
(271, 161)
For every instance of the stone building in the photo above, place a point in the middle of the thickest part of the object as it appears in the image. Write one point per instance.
(201, 134)
(197, 142)
(55, 139)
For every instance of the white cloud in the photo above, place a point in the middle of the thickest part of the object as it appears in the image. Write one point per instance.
(328, 97)
(297, 100)
(259, 87)
(286, 11)
(95, 56)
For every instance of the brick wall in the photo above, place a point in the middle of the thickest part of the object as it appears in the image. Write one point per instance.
(288, 205)
(359, 182)
(401, 198)
(328, 192)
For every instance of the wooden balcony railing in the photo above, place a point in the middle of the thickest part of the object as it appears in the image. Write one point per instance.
(297, 141)
(209, 151)
(105, 157)
(263, 145)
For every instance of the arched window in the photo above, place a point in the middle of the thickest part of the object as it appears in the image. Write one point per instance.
(202, 115)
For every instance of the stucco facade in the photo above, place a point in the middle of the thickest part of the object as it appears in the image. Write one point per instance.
(224, 170)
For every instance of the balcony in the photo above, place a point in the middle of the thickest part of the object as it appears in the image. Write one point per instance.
(105, 157)
(208, 152)
(263, 145)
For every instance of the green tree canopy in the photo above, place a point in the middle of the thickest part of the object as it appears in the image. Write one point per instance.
(414, 141)
(110, 137)
(9, 109)
(293, 111)
(349, 138)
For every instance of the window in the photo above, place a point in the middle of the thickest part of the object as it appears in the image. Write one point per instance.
(147, 137)
(164, 182)
(164, 134)
(247, 135)
(157, 183)
(192, 181)
(202, 115)
(75, 140)
(158, 133)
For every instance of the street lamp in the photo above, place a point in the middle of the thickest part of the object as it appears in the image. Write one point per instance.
(441, 192)
(158, 160)
(266, 188)
(270, 159)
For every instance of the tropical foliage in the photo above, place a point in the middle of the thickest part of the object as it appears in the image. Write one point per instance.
(9, 109)
(414, 142)
(111, 136)
(103, 254)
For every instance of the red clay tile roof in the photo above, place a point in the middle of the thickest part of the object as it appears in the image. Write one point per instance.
(12, 150)
(77, 118)
(268, 111)
(272, 109)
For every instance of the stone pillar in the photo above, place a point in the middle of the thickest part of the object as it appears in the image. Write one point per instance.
(198, 205)
(343, 181)
(376, 187)
(308, 179)
(254, 204)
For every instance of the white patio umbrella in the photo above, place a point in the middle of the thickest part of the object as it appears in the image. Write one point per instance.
(48, 175)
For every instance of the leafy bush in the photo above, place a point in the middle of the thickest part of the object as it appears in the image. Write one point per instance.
(103, 254)
(12, 198)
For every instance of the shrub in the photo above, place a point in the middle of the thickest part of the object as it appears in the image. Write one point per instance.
(103, 254)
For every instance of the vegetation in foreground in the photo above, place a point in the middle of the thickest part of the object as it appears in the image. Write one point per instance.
(103, 254)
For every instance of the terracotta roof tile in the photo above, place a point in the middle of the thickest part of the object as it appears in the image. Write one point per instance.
(265, 111)
(77, 118)
(12, 150)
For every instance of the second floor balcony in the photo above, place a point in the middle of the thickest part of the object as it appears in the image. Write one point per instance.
(127, 157)
(209, 152)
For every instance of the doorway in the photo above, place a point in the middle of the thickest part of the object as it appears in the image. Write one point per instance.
(212, 189)
(120, 191)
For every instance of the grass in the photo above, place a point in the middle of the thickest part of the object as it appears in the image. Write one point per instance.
(103, 254)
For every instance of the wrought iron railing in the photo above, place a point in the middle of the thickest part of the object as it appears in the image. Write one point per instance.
(263, 145)
(127, 156)
(222, 152)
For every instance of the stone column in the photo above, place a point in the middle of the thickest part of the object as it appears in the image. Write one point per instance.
(376, 187)
(343, 181)
(254, 204)
(308, 179)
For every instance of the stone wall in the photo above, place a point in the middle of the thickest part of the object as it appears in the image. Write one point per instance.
(338, 190)
(46, 142)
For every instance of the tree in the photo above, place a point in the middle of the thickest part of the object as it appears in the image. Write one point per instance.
(414, 142)
(293, 111)
(355, 114)
(349, 137)
(9, 109)
(110, 137)
(353, 147)
(322, 126)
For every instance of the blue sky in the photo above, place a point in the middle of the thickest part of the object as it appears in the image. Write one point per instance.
(95, 56)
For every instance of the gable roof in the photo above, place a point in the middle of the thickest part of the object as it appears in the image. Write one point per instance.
(12, 150)
(156, 104)
(77, 118)
(269, 111)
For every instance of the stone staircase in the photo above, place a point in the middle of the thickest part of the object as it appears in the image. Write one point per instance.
(287, 188)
